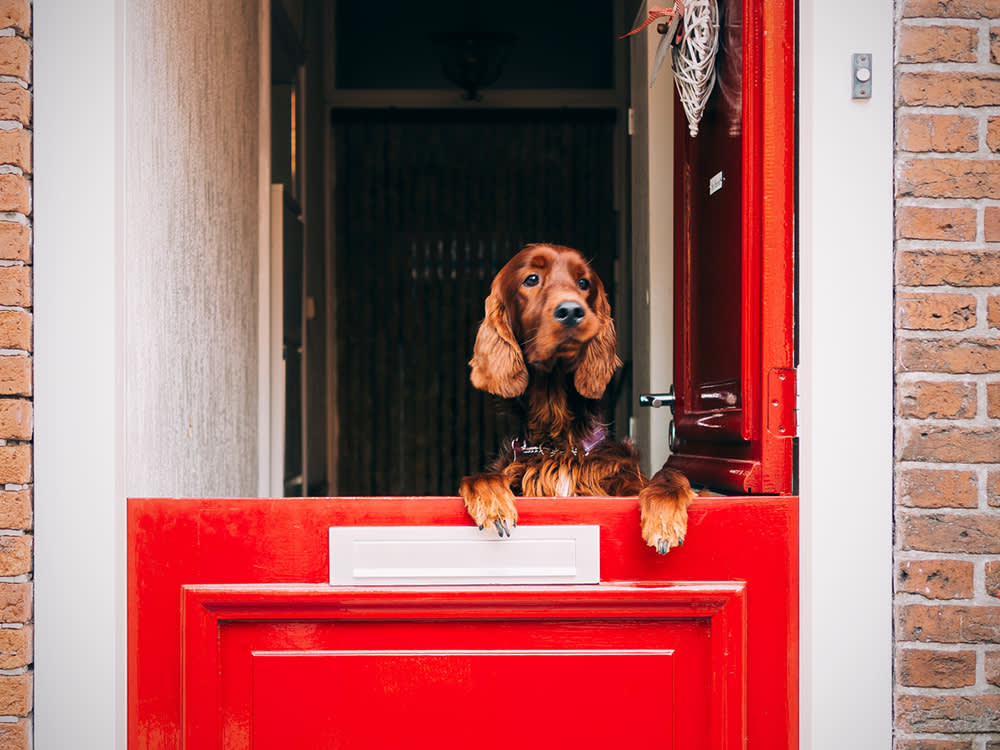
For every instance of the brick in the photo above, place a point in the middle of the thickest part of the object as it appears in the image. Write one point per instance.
(968, 445)
(993, 133)
(15, 103)
(938, 488)
(948, 623)
(15, 509)
(951, 8)
(993, 311)
(15, 58)
(15, 602)
(948, 89)
(15, 554)
(948, 713)
(993, 578)
(948, 355)
(15, 648)
(993, 400)
(935, 311)
(15, 463)
(925, 744)
(919, 44)
(16, 14)
(994, 45)
(15, 148)
(949, 178)
(950, 532)
(16, 417)
(938, 669)
(15, 286)
(15, 193)
(15, 375)
(924, 400)
(992, 667)
(941, 133)
(14, 735)
(993, 489)
(936, 579)
(15, 330)
(15, 694)
(991, 223)
(952, 267)
(923, 223)
(15, 241)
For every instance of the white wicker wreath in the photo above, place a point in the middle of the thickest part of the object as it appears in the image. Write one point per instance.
(694, 58)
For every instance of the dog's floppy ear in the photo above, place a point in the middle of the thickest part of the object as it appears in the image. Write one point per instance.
(497, 363)
(599, 360)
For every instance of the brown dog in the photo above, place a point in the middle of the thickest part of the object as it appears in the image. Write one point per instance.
(547, 345)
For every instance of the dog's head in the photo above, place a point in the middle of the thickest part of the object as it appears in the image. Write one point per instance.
(546, 306)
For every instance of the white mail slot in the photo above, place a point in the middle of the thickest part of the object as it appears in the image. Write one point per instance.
(433, 555)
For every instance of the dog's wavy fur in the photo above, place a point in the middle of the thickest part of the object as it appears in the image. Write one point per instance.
(547, 347)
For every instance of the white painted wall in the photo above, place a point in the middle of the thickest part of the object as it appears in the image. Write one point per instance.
(652, 244)
(192, 240)
(845, 378)
(149, 185)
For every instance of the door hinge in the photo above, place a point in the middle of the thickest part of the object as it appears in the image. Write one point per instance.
(631, 121)
(782, 402)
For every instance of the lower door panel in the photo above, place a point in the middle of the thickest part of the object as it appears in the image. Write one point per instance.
(236, 641)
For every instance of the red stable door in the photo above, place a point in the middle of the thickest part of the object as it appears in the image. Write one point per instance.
(236, 640)
(734, 356)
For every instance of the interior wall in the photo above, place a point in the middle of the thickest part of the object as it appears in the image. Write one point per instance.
(191, 245)
(652, 245)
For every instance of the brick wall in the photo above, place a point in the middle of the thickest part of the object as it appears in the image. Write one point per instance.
(947, 541)
(15, 375)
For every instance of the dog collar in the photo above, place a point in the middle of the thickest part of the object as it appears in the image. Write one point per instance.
(520, 447)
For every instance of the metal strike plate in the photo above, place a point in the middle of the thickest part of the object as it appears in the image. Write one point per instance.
(861, 76)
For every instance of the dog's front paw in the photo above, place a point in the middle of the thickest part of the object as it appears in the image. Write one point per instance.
(663, 509)
(490, 502)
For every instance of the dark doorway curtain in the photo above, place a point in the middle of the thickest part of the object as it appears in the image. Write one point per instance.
(429, 206)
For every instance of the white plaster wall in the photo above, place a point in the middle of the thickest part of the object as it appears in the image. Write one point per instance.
(653, 243)
(191, 246)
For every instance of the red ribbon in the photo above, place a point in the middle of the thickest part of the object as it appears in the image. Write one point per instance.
(657, 11)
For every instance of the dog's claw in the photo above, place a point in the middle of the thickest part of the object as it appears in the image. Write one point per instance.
(680, 542)
(663, 547)
(506, 528)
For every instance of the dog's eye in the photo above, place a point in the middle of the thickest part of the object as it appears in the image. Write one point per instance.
(532, 280)
(583, 284)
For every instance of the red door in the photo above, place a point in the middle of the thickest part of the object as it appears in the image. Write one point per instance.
(734, 307)
(237, 641)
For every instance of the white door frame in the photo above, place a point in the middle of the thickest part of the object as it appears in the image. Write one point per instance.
(845, 231)
(845, 242)
(79, 592)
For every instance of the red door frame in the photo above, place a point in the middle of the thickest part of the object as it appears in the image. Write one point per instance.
(749, 448)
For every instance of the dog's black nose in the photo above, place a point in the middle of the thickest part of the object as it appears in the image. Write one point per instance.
(569, 313)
